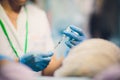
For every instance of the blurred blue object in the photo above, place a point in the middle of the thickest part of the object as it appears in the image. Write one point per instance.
(75, 36)
(37, 61)
(2, 57)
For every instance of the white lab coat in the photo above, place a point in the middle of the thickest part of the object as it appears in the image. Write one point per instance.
(39, 35)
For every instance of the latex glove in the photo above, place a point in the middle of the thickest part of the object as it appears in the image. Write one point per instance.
(37, 61)
(75, 36)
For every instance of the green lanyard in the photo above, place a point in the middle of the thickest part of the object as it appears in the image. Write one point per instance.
(9, 40)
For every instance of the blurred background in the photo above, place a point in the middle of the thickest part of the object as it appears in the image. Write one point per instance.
(97, 18)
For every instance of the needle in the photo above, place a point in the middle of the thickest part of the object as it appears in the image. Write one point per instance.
(59, 42)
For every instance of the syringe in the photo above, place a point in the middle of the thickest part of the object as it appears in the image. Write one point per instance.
(62, 39)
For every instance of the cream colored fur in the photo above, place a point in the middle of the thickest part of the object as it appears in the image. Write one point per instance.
(89, 58)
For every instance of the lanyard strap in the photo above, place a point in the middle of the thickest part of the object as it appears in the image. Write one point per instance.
(26, 37)
(9, 40)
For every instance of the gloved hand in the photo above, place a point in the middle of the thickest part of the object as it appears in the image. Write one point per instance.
(37, 61)
(75, 36)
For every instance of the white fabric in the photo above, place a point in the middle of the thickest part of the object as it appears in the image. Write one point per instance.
(15, 71)
(39, 35)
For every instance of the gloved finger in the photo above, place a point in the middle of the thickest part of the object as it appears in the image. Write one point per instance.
(74, 42)
(72, 35)
(31, 65)
(49, 54)
(46, 59)
(26, 58)
(41, 67)
(69, 44)
(76, 29)
(44, 63)
(36, 68)
(40, 59)
(81, 38)
(29, 57)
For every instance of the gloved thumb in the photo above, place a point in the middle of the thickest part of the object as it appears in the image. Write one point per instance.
(49, 54)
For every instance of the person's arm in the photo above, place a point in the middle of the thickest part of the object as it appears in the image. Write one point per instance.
(53, 65)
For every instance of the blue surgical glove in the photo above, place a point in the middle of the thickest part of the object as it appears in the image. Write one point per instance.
(75, 36)
(37, 61)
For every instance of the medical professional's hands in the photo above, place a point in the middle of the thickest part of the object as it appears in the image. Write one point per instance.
(37, 61)
(75, 36)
